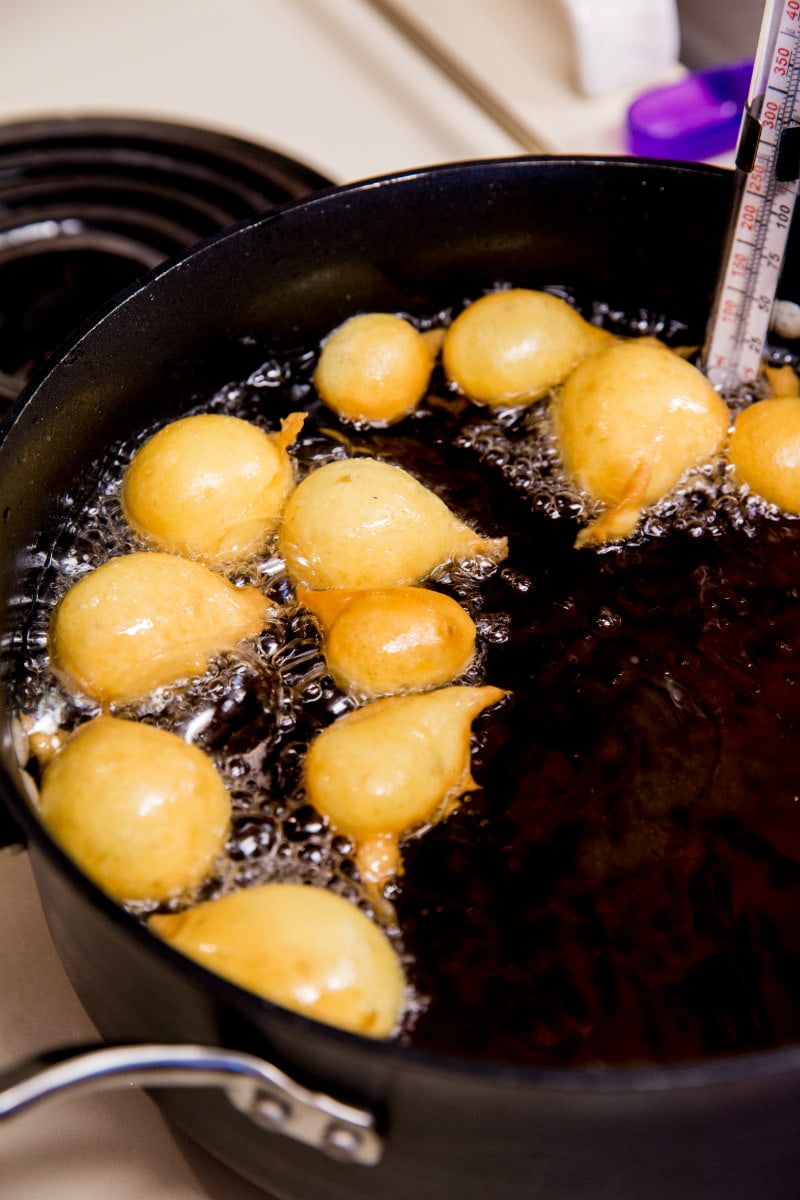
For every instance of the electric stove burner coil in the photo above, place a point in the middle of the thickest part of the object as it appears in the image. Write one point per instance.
(89, 204)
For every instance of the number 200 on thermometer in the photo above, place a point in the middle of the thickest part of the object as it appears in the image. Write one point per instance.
(768, 167)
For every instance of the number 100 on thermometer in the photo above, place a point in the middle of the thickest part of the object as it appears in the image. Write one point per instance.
(767, 171)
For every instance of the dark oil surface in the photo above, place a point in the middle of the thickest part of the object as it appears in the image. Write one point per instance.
(625, 884)
(628, 884)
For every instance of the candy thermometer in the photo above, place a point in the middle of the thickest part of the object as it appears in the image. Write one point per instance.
(767, 171)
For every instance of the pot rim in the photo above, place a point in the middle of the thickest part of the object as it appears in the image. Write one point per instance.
(639, 1077)
(323, 196)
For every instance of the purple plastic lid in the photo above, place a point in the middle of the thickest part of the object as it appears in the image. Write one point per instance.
(694, 119)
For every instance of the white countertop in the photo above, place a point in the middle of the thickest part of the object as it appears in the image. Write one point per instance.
(329, 82)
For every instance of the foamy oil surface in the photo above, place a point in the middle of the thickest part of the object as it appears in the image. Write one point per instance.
(551, 621)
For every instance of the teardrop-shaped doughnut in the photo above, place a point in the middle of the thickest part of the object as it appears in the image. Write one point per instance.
(392, 766)
(146, 620)
(383, 640)
(142, 813)
(210, 486)
(630, 420)
(305, 948)
(363, 523)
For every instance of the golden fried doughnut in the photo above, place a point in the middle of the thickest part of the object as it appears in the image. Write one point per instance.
(146, 620)
(210, 487)
(361, 523)
(630, 420)
(374, 369)
(143, 813)
(511, 347)
(392, 766)
(305, 948)
(383, 640)
(765, 450)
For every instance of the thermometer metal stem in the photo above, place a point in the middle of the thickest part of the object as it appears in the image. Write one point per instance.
(765, 189)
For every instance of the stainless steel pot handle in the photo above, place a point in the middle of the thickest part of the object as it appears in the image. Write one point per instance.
(268, 1097)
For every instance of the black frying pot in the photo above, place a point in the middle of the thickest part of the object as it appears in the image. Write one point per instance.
(633, 233)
